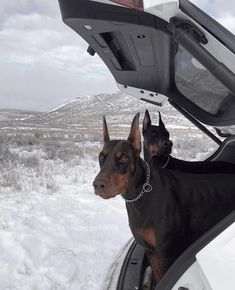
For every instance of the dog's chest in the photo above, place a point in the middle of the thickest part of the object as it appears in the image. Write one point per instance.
(145, 237)
(149, 236)
(141, 225)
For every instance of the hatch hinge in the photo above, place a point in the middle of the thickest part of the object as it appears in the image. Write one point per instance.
(177, 23)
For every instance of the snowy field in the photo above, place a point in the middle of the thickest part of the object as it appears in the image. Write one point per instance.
(55, 233)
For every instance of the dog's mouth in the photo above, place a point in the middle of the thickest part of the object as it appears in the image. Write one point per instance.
(161, 152)
(105, 195)
(101, 189)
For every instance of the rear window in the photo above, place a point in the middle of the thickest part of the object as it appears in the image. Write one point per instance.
(198, 85)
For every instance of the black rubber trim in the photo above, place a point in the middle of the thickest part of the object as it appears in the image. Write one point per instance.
(221, 134)
(131, 272)
(208, 23)
(188, 257)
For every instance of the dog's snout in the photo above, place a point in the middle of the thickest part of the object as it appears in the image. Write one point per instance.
(168, 143)
(99, 185)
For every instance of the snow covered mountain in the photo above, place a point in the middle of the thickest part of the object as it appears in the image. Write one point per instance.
(86, 110)
(119, 109)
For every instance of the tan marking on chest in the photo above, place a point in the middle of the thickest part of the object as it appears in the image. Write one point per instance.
(148, 236)
(155, 266)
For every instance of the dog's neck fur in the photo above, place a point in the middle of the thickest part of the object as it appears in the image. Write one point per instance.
(139, 178)
(160, 161)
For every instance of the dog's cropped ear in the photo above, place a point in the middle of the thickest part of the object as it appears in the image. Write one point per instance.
(135, 137)
(146, 121)
(106, 138)
(161, 124)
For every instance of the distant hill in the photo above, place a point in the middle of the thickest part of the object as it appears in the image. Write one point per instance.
(118, 108)
(11, 114)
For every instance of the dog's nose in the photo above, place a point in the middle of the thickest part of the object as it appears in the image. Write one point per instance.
(99, 185)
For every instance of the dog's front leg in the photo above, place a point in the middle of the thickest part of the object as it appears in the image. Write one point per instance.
(155, 265)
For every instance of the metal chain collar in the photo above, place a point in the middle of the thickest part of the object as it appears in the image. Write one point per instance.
(165, 165)
(147, 187)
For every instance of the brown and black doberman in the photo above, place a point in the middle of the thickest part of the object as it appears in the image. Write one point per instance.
(158, 147)
(167, 210)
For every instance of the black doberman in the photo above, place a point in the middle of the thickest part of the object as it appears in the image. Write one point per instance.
(167, 209)
(158, 146)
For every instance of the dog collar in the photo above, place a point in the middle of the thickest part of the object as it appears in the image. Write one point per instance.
(165, 165)
(147, 187)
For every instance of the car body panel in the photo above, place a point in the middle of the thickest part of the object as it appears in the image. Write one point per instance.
(218, 257)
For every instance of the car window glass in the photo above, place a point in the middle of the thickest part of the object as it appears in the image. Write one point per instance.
(197, 84)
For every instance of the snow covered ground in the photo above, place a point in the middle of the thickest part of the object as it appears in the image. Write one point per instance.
(59, 239)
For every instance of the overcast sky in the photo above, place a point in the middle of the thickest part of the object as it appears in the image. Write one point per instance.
(43, 63)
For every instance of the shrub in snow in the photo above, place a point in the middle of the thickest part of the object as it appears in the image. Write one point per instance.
(30, 162)
(6, 155)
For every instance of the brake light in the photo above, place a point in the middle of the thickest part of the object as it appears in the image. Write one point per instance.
(136, 4)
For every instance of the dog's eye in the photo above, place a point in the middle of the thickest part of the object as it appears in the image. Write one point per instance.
(123, 158)
(155, 134)
(101, 158)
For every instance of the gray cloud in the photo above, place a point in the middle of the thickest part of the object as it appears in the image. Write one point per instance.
(44, 63)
